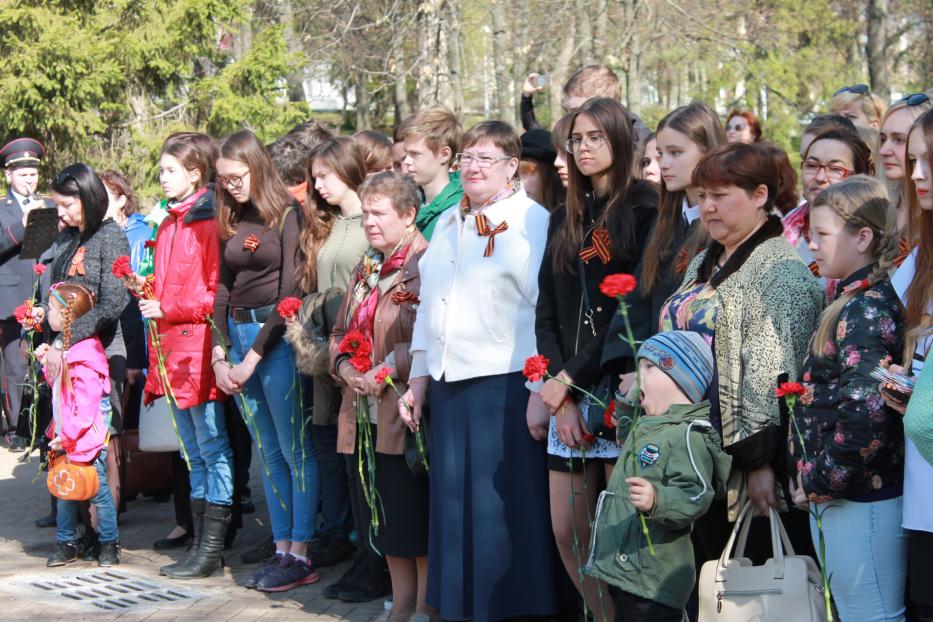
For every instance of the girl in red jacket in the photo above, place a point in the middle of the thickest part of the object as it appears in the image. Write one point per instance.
(186, 268)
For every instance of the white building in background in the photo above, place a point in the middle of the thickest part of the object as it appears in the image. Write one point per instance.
(323, 95)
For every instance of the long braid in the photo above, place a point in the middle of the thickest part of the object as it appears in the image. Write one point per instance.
(860, 201)
(68, 318)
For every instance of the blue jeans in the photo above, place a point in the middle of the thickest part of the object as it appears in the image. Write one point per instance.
(866, 555)
(67, 511)
(204, 434)
(335, 494)
(289, 469)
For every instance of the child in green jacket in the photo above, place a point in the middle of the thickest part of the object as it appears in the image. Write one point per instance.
(671, 467)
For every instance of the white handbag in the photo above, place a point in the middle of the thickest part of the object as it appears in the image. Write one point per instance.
(785, 587)
(156, 432)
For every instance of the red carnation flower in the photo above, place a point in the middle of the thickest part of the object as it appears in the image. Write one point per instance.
(351, 342)
(618, 285)
(608, 421)
(383, 374)
(201, 315)
(790, 388)
(361, 362)
(289, 307)
(122, 268)
(39, 268)
(23, 313)
(150, 244)
(536, 367)
(589, 439)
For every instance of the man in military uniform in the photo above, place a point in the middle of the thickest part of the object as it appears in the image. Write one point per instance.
(20, 158)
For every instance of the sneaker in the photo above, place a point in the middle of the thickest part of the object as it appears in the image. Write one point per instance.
(259, 552)
(65, 553)
(267, 564)
(330, 550)
(290, 573)
(109, 554)
(348, 578)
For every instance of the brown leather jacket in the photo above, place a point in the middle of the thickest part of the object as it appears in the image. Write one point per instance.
(391, 333)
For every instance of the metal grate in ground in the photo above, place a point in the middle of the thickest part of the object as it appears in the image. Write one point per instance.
(110, 590)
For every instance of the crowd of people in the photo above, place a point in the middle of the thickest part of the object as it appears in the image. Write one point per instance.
(506, 374)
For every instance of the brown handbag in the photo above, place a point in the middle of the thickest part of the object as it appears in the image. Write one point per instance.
(71, 481)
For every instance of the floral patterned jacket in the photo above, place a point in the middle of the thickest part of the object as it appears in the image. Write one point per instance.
(853, 444)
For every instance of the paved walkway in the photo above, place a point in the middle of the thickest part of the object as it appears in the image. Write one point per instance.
(24, 549)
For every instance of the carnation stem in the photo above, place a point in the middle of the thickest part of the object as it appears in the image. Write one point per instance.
(247, 413)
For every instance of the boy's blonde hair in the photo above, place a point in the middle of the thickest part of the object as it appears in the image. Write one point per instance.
(861, 201)
(438, 126)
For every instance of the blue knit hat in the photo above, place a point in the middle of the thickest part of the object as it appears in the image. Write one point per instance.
(685, 357)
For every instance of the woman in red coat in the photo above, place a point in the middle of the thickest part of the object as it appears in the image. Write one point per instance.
(186, 269)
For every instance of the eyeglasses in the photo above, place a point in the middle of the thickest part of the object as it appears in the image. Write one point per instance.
(914, 99)
(231, 182)
(466, 159)
(858, 89)
(592, 143)
(833, 172)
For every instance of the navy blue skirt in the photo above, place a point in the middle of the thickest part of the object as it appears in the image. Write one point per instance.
(490, 548)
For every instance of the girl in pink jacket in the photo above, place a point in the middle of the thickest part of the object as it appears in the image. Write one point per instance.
(81, 417)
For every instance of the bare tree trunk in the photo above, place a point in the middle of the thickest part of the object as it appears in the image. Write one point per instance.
(400, 96)
(561, 71)
(362, 103)
(501, 53)
(434, 66)
(876, 47)
(295, 79)
(584, 32)
(520, 48)
(600, 28)
(455, 50)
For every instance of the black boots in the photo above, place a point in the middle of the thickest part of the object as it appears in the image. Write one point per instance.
(197, 514)
(208, 556)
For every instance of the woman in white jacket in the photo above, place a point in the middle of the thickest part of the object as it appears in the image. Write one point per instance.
(490, 548)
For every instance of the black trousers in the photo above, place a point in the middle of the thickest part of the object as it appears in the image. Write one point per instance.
(632, 608)
(14, 369)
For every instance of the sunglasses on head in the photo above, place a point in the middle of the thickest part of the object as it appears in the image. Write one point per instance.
(914, 99)
(61, 178)
(858, 89)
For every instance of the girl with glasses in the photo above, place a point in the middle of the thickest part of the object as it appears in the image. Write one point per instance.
(259, 226)
(601, 231)
(683, 137)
